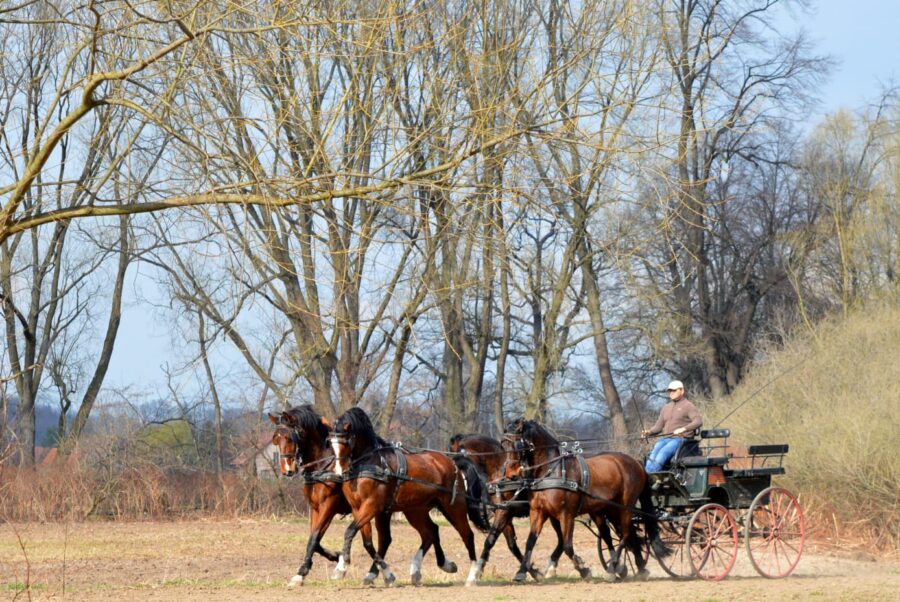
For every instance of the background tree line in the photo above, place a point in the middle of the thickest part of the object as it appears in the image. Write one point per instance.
(446, 212)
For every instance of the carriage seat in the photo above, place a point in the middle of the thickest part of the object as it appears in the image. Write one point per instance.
(690, 454)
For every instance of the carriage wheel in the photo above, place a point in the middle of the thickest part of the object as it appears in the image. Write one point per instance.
(775, 532)
(712, 542)
(675, 564)
(629, 557)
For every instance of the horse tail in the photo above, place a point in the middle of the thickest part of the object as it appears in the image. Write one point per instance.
(476, 492)
(651, 523)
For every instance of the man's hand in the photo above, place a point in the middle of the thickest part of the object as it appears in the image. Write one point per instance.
(645, 434)
(679, 430)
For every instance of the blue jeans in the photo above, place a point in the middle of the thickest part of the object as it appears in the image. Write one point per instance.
(663, 451)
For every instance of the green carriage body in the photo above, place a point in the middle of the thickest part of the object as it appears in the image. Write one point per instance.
(716, 475)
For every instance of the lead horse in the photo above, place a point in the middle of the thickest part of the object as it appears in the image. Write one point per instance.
(301, 437)
(380, 479)
(608, 485)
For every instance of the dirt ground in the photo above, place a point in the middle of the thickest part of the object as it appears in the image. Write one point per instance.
(254, 560)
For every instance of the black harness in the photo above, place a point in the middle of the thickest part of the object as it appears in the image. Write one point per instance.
(307, 475)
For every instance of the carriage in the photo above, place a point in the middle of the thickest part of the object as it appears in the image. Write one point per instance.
(700, 508)
(712, 498)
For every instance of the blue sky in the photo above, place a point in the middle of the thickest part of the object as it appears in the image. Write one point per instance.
(862, 36)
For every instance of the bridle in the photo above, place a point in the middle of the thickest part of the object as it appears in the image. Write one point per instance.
(294, 433)
(520, 446)
(344, 439)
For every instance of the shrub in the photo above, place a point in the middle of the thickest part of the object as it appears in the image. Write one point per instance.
(832, 394)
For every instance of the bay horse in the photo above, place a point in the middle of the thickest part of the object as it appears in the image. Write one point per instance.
(487, 454)
(382, 479)
(608, 485)
(301, 436)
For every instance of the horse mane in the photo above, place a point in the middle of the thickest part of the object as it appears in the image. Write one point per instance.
(532, 430)
(477, 437)
(361, 426)
(308, 419)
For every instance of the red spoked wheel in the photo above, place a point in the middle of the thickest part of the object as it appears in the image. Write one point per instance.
(712, 542)
(630, 561)
(676, 564)
(775, 532)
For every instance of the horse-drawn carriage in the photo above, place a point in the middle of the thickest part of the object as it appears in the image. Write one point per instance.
(686, 514)
(712, 497)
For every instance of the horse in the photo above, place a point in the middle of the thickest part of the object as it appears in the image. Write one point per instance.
(301, 436)
(607, 485)
(488, 456)
(383, 479)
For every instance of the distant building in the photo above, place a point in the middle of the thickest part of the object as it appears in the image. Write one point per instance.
(259, 453)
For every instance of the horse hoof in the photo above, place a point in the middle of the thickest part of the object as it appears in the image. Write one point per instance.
(622, 571)
(642, 575)
(609, 577)
(585, 573)
(471, 582)
(551, 570)
(296, 581)
(519, 578)
(536, 574)
(338, 574)
(416, 578)
(369, 579)
(449, 567)
(389, 578)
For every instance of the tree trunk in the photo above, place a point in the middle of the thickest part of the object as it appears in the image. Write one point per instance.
(109, 341)
(601, 350)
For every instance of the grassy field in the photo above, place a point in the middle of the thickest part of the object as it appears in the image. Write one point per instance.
(254, 560)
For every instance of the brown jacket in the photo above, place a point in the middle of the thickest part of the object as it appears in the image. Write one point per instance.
(676, 414)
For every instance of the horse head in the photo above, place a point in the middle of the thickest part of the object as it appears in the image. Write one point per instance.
(529, 445)
(517, 450)
(299, 436)
(352, 436)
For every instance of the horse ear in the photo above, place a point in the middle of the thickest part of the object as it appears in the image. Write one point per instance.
(326, 423)
(289, 419)
(274, 418)
(346, 427)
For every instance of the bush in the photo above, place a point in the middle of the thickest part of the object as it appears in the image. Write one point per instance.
(833, 396)
(101, 480)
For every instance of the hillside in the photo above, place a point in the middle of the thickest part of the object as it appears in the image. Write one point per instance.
(833, 394)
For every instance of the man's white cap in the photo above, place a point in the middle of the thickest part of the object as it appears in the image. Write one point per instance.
(675, 385)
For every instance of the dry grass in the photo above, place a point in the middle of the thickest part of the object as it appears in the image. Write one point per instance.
(832, 394)
(73, 491)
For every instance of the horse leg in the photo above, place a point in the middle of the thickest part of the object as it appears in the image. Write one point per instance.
(640, 562)
(458, 516)
(361, 517)
(326, 553)
(558, 551)
(383, 524)
(419, 520)
(567, 526)
(617, 567)
(448, 566)
(537, 524)
(604, 537)
(319, 520)
(501, 523)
